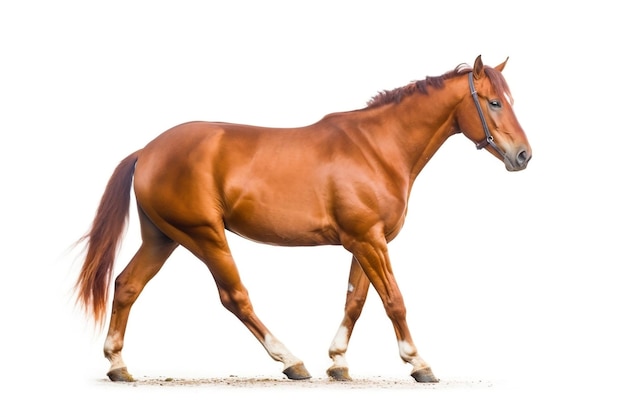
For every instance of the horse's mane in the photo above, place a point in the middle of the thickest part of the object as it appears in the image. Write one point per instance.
(421, 86)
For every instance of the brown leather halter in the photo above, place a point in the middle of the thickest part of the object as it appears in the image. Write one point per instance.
(488, 140)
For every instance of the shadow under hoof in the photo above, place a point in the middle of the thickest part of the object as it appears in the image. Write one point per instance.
(425, 376)
(339, 374)
(297, 372)
(120, 375)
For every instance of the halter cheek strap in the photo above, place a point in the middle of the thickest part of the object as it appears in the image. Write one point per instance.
(488, 141)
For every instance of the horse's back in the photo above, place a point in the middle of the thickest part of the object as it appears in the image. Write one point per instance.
(267, 184)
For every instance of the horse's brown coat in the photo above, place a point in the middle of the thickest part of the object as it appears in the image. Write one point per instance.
(344, 180)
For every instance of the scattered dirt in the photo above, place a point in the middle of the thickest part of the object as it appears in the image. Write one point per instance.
(313, 383)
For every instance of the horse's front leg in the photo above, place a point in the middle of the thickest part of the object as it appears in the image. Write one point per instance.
(358, 284)
(373, 257)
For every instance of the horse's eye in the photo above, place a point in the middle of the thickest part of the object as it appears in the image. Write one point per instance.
(495, 104)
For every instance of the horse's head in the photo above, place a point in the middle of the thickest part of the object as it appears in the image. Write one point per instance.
(486, 117)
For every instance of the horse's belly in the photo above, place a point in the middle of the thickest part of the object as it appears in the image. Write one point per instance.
(280, 226)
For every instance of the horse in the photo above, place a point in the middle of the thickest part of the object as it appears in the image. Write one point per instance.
(344, 180)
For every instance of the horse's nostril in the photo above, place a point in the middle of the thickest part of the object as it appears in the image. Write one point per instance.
(522, 158)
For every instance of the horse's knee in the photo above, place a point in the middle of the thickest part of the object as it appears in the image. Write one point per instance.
(396, 311)
(354, 307)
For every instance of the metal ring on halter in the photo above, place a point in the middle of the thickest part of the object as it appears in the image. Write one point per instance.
(488, 141)
(485, 142)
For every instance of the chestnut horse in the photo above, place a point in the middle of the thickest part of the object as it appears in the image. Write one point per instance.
(344, 180)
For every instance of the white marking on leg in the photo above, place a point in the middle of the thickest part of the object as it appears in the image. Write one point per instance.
(338, 348)
(114, 357)
(350, 287)
(279, 352)
(408, 353)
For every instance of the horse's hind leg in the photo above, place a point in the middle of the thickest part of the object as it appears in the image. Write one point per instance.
(358, 286)
(211, 247)
(154, 251)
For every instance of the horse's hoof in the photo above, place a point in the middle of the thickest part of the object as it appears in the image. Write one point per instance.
(297, 371)
(338, 374)
(120, 375)
(425, 375)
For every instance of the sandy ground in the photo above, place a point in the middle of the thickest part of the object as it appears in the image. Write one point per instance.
(313, 383)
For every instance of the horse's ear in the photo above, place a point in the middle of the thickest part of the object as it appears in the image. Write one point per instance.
(501, 66)
(478, 67)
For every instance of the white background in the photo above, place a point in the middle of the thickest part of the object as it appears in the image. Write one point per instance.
(510, 278)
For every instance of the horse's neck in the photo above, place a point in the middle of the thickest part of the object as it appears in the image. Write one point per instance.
(419, 125)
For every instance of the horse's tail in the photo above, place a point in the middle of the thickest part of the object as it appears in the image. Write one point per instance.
(103, 240)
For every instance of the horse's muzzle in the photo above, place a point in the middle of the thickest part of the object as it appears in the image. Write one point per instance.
(520, 161)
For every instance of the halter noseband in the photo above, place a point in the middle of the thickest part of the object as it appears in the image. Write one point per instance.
(488, 141)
